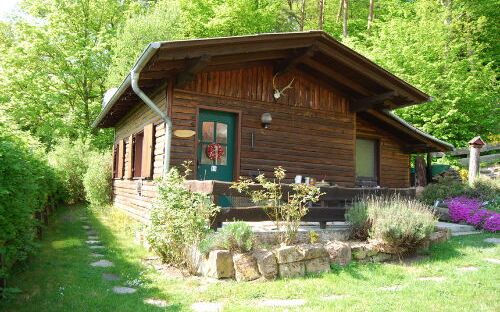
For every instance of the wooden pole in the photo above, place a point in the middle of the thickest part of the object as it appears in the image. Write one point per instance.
(475, 146)
(3, 280)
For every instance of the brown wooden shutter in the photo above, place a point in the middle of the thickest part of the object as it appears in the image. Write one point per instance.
(130, 152)
(147, 151)
(121, 150)
(114, 167)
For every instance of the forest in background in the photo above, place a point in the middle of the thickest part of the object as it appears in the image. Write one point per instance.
(60, 56)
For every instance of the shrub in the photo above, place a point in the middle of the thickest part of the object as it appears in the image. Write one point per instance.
(471, 210)
(485, 189)
(97, 180)
(402, 224)
(286, 213)
(236, 237)
(27, 185)
(443, 189)
(357, 219)
(69, 159)
(180, 219)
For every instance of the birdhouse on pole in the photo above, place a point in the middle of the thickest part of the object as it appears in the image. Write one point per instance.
(474, 157)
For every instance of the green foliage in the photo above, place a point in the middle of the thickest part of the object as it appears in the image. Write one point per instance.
(97, 180)
(485, 189)
(357, 218)
(70, 161)
(402, 224)
(285, 212)
(27, 185)
(443, 189)
(235, 237)
(180, 218)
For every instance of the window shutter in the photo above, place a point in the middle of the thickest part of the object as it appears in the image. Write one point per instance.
(147, 151)
(121, 150)
(113, 165)
(130, 151)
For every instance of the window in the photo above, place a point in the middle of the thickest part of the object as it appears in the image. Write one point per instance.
(137, 154)
(213, 132)
(366, 161)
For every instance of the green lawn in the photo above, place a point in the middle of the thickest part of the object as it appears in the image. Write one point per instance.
(59, 278)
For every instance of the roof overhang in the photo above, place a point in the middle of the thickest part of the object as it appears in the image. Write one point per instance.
(364, 83)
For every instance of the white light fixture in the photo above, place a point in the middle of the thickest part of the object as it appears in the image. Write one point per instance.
(266, 120)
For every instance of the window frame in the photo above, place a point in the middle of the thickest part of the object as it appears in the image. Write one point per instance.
(376, 157)
(116, 162)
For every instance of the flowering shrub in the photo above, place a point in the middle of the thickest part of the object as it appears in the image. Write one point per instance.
(469, 210)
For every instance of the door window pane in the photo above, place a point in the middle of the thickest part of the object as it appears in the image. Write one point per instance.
(366, 158)
(204, 158)
(221, 133)
(208, 131)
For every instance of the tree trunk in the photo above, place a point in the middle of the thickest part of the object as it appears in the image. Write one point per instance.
(302, 15)
(371, 13)
(321, 6)
(345, 17)
(339, 13)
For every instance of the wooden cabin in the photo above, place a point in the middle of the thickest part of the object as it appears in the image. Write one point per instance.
(244, 105)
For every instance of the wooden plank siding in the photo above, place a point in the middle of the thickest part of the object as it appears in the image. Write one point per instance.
(394, 165)
(312, 132)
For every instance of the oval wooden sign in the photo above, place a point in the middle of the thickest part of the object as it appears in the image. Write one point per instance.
(184, 133)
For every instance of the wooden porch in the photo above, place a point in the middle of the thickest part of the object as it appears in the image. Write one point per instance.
(331, 206)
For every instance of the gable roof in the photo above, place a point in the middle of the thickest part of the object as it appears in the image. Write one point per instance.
(363, 82)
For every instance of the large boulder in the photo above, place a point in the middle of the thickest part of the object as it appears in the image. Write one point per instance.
(266, 263)
(292, 269)
(312, 251)
(317, 265)
(245, 267)
(339, 252)
(219, 264)
(287, 254)
(358, 250)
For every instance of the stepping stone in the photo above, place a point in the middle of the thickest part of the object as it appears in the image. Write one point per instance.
(282, 303)
(96, 255)
(96, 247)
(84, 218)
(110, 277)
(466, 233)
(156, 302)
(93, 237)
(493, 240)
(333, 297)
(93, 242)
(432, 278)
(123, 290)
(86, 227)
(102, 264)
(494, 261)
(91, 232)
(392, 288)
(207, 307)
(468, 269)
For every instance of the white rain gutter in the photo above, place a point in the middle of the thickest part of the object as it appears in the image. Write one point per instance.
(134, 82)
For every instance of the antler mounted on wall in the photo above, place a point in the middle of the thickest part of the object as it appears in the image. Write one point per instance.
(277, 92)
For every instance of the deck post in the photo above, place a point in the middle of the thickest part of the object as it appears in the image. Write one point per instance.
(474, 158)
(3, 280)
(429, 168)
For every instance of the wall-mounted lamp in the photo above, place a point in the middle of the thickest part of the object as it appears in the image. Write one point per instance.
(266, 120)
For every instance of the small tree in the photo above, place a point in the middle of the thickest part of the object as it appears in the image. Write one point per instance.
(286, 214)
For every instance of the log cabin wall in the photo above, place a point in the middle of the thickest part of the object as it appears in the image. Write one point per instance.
(125, 193)
(312, 132)
(394, 165)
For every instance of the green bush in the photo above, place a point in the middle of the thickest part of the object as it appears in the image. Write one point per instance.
(443, 189)
(236, 237)
(485, 189)
(180, 219)
(402, 224)
(357, 219)
(69, 159)
(97, 180)
(27, 185)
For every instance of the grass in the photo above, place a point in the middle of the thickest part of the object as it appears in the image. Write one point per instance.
(59, 277)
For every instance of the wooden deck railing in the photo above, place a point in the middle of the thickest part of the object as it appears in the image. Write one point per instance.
(331, 206)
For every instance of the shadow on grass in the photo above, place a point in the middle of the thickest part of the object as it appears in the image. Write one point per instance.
(127, 261)
(58, 277)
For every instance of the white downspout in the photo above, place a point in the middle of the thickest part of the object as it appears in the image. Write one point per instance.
(134, 75)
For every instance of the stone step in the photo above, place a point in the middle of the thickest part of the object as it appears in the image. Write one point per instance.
(456, 228)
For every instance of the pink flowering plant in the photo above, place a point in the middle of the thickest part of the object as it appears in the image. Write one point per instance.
(471, 211)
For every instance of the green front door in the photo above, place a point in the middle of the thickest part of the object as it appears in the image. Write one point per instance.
(216, 139)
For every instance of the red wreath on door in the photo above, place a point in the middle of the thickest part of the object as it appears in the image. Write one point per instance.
(214, 151)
